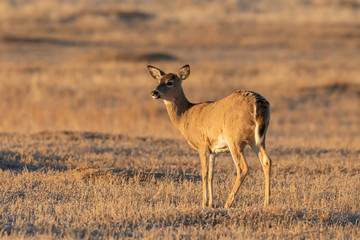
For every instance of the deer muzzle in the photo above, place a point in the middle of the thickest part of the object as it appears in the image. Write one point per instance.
(155, 94)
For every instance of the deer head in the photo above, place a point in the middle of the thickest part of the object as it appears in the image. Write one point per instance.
(169, 85)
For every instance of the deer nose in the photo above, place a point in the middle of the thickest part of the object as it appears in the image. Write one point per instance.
(155, 94)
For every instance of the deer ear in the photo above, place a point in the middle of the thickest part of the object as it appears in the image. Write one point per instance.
(184, 72)
(155, 72)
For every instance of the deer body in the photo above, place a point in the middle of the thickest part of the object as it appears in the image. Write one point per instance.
(226, 125)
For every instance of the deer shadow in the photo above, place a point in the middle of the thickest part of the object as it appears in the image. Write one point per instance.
(140, 175)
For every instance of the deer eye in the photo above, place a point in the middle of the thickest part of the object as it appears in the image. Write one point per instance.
(170, 83)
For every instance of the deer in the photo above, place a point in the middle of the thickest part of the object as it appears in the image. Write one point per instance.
(226, 125)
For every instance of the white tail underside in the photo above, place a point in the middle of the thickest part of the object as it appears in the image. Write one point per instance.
(260, 138)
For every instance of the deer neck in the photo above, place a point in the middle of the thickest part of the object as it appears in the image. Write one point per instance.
(176, 109)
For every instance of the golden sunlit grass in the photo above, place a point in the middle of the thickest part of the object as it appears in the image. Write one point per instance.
(315, 191)
(86, 153)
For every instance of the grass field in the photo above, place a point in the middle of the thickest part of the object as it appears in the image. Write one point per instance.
(86, 153)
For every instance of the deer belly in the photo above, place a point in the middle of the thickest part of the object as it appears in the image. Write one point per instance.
(220, 145)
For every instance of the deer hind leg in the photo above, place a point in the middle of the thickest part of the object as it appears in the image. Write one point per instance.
(266, 165)
(241, 171)
(203, 154)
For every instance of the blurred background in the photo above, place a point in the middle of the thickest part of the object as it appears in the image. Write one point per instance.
(81, 65)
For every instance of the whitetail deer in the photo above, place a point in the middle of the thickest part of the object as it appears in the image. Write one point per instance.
(229, 124)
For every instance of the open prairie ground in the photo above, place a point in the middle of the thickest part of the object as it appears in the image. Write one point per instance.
(86, 153)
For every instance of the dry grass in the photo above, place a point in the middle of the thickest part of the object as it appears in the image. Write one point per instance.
(86, 153)
(147, 188)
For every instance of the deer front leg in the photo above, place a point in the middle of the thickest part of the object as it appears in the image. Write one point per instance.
(203, 154)
(210, 179)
